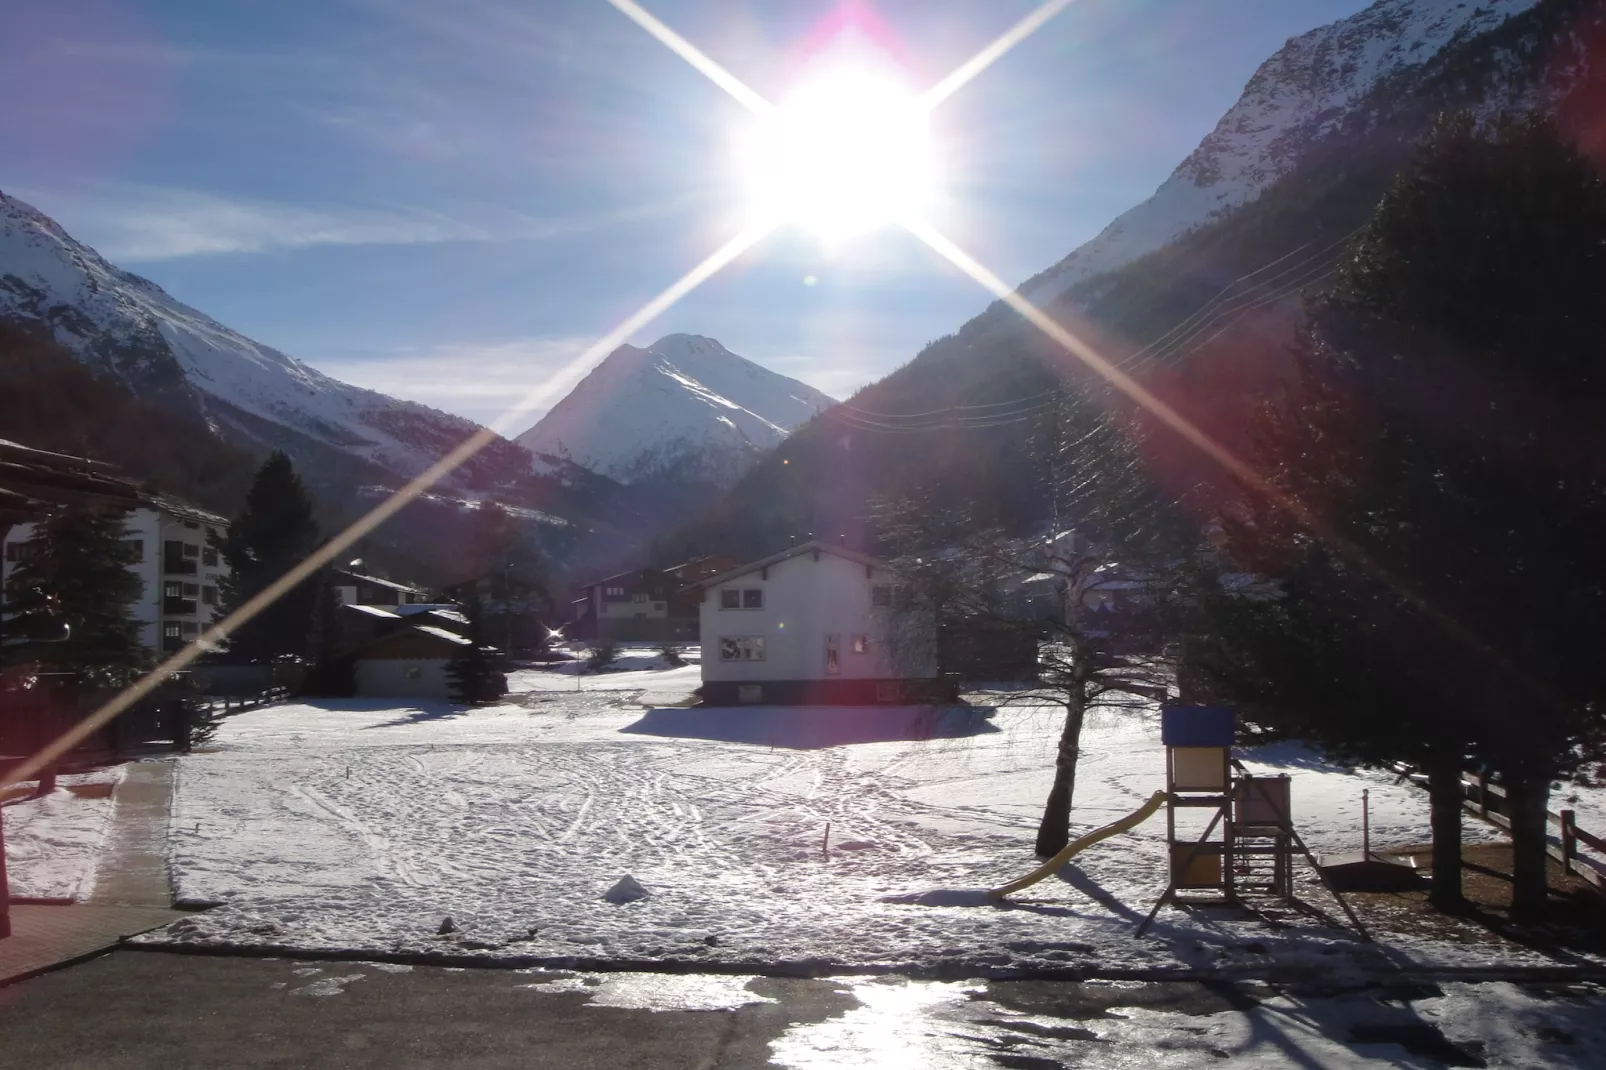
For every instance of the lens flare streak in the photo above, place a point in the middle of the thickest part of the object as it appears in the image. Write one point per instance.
(342, 542)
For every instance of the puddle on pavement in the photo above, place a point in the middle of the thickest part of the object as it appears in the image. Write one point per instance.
(656, 991)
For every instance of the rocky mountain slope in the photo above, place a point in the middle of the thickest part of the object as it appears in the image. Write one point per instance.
(1201, 309)
(684, 409)
(247, 392)
(1295, 100)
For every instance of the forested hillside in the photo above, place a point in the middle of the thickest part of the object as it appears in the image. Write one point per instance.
(1205, 321)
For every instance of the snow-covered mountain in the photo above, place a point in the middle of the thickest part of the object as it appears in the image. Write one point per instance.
(685, 408)
(1299, 95)
(246, 391)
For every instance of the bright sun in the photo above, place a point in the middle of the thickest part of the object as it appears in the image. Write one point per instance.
(848, 151)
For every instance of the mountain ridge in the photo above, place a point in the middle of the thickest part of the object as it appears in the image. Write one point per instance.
(129, 327)
(1290, 103)
(684, 408)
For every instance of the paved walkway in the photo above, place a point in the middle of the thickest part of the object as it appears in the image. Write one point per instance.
(131, 888)
(133, 866)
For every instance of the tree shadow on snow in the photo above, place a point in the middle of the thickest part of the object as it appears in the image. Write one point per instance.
(816, 727)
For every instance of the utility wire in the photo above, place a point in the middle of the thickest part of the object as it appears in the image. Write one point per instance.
(1225, 303)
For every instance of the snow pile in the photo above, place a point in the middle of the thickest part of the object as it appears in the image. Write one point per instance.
(355, 826)
(685, 406)
(1294, 99)
(53, 843)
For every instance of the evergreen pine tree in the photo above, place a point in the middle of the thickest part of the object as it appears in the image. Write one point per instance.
(76, 571)
(272, 534)
(334, 667)
(1443, 600)
(474, 675)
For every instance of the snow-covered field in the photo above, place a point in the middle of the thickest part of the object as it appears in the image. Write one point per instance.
(361, 826)
(52, 843)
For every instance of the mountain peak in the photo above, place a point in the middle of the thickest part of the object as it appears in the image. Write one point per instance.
(1294, 99)
(685, 407)
(132, 329)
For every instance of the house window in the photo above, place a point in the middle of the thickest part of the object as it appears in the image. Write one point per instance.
(191, 524)
(190, 627)
(889, 691)
(730, 598)
(191, 550)
(209, 556)
(742, 648)
(172, 629)
(833, 662)
(861, 644)
(748, 694)
(172, 589)
(881, 595)
(21, 551)
(191, 590)
(639, 596)
(659, 607)
(212, 533)
(614, 592)
(209, 595)
(753, 598)
(138, 547)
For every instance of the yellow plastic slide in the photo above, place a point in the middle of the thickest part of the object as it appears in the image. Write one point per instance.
(1075, 847)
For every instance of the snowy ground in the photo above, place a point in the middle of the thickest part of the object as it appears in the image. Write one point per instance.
(52, 843)
(360, 826)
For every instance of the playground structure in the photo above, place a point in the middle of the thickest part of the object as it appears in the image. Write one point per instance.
(1249, 844)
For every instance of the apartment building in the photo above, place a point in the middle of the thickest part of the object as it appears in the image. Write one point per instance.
(178, 563)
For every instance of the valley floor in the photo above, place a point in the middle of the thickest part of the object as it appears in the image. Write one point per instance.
(358, 827)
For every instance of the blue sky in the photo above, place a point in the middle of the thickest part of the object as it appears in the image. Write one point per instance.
(447, 201)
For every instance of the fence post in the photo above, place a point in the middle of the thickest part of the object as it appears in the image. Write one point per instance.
(1569, 839)
(1483, 796)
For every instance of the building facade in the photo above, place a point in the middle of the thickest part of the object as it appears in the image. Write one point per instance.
(815, 625)
(178, 563)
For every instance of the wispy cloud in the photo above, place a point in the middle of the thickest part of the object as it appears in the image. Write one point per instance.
(136, 224)
(480, 381)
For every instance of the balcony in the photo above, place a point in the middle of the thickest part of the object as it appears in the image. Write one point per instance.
(179, 566)
(179, 607)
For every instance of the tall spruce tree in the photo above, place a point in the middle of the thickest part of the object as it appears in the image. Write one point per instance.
(1444, 600)
(76, 577)
(272, 534)
(474, 675)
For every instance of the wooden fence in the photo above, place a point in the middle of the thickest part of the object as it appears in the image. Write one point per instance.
(1487, 799)
(236, 703)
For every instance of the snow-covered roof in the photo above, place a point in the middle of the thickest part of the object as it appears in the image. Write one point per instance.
(784, 555)
(382, 612)
(440, 633)
(186, 511)
(413, 609)
(376, 581)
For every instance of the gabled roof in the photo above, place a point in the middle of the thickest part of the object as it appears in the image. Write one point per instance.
(383, 612)
(785, 555)
(375, 580)
(621, 575)
(186, 511)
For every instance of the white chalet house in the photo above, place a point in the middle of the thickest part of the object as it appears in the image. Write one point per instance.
(813, 625)
(179, 567)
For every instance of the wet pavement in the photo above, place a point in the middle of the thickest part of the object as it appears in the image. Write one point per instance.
(142, 1009)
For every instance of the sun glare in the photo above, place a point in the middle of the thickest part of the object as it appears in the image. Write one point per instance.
(848, 151)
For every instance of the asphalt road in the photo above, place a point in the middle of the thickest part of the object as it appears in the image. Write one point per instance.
(134, 1009)
(143, 1010)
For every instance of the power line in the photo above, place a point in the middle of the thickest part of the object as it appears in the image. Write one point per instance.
(1182, 338)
